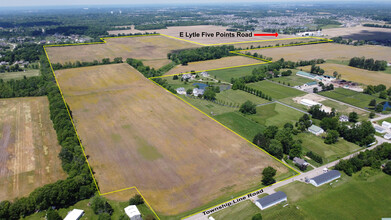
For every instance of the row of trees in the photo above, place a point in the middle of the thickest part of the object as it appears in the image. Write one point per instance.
(67, 65)
(315, 157)
(79, 183)
(316, 70)
(369, 64)
(200, 54)
(373, 158)
(241, 86)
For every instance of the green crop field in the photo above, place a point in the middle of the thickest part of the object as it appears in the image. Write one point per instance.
(329, 152)
(275, 90)
(227, 74)
(275, 114)
(292, 80)
(351, 97)
(239, 97)
(240, 124)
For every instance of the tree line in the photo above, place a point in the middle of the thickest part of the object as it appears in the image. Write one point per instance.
(368, 64)
(372, 158)
(200, 54)
(77, 64)
(79, 183)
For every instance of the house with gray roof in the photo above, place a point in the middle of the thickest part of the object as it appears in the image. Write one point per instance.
(325, 178)
(302, 164)
(271, 200)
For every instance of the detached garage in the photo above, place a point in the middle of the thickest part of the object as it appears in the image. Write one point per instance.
(271, 200)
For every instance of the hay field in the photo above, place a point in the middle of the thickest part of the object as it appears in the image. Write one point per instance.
(363, 76)
(359, 33)
(213, 64)
(174, 32)
(138, 134)
(146, 48)
(326, 51)
(28, 147)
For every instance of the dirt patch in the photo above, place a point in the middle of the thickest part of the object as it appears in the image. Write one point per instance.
(185, 159)
(28, 147)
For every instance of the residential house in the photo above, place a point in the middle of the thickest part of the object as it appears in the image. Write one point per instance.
(387, 136)
(343, 118)
(204, 74)
(133, 213)
(271, 200)
(186, 76)
(197, 92)
(315, 130)
(302, 164)
(325, 178)
(75, 214)
(181, 91)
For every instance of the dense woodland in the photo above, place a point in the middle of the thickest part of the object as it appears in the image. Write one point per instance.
(200, 54)
(374, 159)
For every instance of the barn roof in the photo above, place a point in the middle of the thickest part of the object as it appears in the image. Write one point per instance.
(323, 178)
(270, 199)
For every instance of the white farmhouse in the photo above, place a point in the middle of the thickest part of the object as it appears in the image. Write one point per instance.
(387, 136)
(204, 74)
(75, 214)
(197, 92)
(380, 129)
(133, 213)
(315, 130)
(181, 91)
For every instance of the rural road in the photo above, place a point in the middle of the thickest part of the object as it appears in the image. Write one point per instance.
(310, 174)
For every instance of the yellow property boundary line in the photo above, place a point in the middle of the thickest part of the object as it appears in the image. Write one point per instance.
(235, 52)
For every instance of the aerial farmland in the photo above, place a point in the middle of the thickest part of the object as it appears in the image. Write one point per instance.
(29, 149)
(137, 134)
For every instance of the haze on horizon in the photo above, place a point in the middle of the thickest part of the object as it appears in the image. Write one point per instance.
(21, 3)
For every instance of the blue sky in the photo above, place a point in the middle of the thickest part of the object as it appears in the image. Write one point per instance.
(5, 3)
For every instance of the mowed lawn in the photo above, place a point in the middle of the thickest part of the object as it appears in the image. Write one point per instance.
(239, 123)
(243, 211)
(138, 134)
(292, 80)
(275, 90)
(275, 114)
(227, 74)
(351, 97)
(19, 75)
(363, 196)
(239, 97)
(329, 152)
